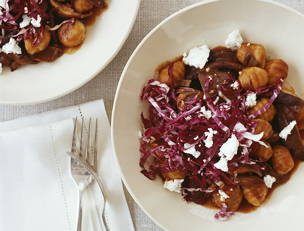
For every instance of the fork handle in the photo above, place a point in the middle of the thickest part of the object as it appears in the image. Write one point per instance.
(100, 185)
(79, 223)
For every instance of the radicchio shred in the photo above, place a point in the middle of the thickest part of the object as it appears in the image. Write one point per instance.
(173, 122)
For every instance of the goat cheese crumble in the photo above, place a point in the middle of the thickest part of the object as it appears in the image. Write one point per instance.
(36, 22)
(235, 85)
(230, 147)
(206, 113)
(171, 143)
(197, 56)
(234, 40)
(222, 164)
(174, 185)
(11, 47)
(4, 4)
(209, 137)
(287, 130)
(251, 100)
(26, 20)
(223, 195)
(227, 151)
(191, 150)
(269, 180)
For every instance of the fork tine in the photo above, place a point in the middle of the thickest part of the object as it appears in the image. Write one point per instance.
(73, 149)
(95, 145)
(81, 137)
(87, 152)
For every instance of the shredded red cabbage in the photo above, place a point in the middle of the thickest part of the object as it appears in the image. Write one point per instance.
(223, 214)
(175, 122)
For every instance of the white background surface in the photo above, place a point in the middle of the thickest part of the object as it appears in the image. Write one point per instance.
(104, 85)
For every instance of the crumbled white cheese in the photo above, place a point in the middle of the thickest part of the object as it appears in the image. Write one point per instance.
(11, 47)
(25, 10)
(227, 152)
(161, 85)
(239, 127)
(251, 100)
(4, 4)
(234, 40)
(171, 143)
(219, 183)
(209, 137)
(206, 113)
(26, 20)
(197, 56)
(269, 180)
(196, 138)
(192, 151)
(174, 185)
(36, 22)
(189, 117)
(222, 164)
(254, 137)
(223, 195)
(230, 147)
(225, 107)
(235, 85)
(287, 130)
(187, 145)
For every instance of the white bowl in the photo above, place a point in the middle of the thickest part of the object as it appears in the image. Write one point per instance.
(46, 81)
(280, 30)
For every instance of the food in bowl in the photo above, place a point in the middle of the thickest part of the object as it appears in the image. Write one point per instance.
(223, 127)
(41, 31)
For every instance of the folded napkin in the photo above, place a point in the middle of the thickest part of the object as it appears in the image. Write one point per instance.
(37, 191)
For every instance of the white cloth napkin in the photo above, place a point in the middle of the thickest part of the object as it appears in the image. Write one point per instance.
(36, 188)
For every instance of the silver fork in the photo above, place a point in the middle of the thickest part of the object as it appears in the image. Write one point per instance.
(84, 163)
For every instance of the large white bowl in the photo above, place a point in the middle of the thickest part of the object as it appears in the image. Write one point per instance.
(280, 29)
(46, 81)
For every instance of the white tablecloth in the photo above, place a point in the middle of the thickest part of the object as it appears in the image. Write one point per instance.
(104, 85)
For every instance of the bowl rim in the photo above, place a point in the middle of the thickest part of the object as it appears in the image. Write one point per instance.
(123, 74)
(90, 77)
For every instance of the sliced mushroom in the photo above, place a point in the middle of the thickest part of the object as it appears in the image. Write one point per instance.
(225, 65)
(72, 34)
(219, 79)
(66, 10)
(294, 141)
(50, 54)
(247, 170)
(222, 53)
(14, 61)
(289, 99)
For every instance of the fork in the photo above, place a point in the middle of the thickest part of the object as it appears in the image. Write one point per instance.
(84, 163)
